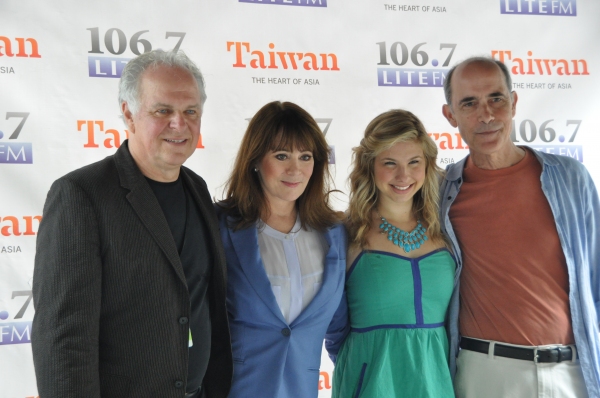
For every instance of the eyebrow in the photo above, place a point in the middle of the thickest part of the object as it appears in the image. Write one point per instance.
(491, 95)
(395, 160)
(292, 150)
(162, 105)
(466, 99)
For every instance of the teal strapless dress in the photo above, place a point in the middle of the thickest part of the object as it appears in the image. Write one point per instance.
(398, 345)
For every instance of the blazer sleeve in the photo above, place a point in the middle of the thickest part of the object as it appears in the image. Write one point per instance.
(67, 281)
(339, 327)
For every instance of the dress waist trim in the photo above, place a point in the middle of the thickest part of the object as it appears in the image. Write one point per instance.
(398, 326)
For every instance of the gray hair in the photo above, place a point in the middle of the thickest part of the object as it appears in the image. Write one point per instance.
(129, 85)
(484, 60)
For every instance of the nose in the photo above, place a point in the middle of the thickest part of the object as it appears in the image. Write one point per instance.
(485, 113)
(177, 121)
(401, 173)
(293, 167)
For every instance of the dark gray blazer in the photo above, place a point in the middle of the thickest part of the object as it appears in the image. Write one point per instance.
(110, 294)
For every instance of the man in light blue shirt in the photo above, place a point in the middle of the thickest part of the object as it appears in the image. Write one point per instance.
(512, 343)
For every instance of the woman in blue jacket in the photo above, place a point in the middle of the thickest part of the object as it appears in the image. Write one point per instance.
(286, 256)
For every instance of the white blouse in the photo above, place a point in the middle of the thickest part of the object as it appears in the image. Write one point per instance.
(294, 263)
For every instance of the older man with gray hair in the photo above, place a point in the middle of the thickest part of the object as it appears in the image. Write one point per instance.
(129, 280)
(524, 226)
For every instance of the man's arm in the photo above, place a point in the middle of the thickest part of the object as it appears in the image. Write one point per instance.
(67, 283)
(592, 237)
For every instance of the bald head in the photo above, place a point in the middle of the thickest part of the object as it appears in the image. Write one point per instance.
(481, 61)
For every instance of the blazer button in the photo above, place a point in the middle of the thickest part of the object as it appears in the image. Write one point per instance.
(286, 332)
(183, 320)
(179, 384)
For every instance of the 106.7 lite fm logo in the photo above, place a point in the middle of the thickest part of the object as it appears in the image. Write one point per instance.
(13, 151)
(115, 42)
(14, 330)
(403, 66)
(550, 136)
(299, 3)
(561, 8)
(327, 122)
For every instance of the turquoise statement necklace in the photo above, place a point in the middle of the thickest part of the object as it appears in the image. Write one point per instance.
(407, 241)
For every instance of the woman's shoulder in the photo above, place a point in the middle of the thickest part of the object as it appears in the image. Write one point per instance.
(228, 217)
(337, 229)
(339, 235)
(219, 207)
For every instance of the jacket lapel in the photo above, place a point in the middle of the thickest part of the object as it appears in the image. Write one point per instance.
(144, 203)
(329, 284)
(245, 243)
(205, 206)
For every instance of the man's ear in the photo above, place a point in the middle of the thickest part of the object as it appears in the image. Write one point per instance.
(515, 97)
(128, 117)
(447, 111)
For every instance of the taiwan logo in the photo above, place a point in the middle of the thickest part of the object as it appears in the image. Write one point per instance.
(12, 150)
(12, 226)
(97, 135)
(245, 56)
(23, 47)
(19, 47)
(541, 66)
(400, 67)
(449, 145)
(115, 43)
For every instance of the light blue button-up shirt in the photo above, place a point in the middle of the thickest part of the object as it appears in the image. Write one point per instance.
(574, 201)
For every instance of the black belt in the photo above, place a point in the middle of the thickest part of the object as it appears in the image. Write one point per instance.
(557, 354)
(194, 394)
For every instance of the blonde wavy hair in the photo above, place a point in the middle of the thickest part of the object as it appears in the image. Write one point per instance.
(382, 133)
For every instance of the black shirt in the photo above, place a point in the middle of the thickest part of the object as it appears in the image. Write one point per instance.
(191, 239)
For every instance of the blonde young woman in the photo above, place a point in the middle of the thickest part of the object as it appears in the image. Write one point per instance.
(400, 275)
(286, 256)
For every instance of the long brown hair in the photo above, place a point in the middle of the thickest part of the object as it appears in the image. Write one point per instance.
(382, 133)
(279, 126)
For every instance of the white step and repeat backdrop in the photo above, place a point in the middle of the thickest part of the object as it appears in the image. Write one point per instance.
(345, 61)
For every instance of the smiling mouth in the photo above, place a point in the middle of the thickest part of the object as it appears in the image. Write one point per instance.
(401, 188)
(175, 141)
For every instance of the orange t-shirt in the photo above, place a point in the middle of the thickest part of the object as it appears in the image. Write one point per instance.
(514, 285)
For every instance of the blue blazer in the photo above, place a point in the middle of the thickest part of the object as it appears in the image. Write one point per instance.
(272, 358)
